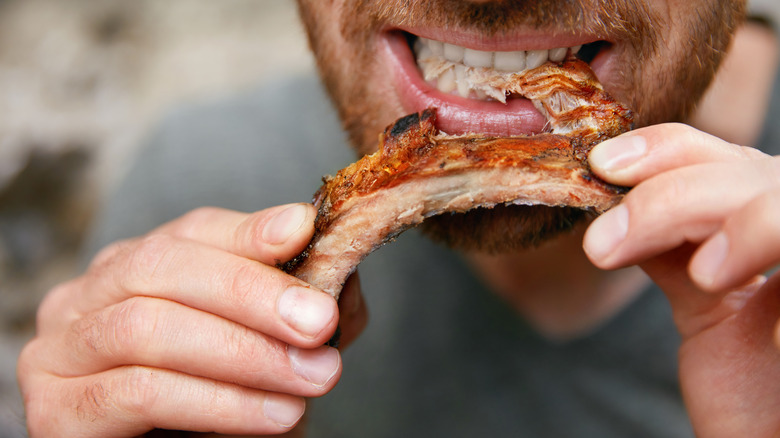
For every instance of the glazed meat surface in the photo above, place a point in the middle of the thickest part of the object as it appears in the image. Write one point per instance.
(419, 172)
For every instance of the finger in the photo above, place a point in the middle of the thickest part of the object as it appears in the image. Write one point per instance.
(749, 243)
(353, 313)
(638, 155)
(693, 309)
(682, 205)
(270, 236)
(203, 277)
(162, 334)
(130, 401)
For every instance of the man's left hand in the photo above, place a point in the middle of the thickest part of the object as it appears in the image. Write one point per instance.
(703, 220)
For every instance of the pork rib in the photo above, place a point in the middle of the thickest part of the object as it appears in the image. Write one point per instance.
(418, 172)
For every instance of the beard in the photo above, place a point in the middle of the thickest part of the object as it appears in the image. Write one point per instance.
(503, 228)
(665, 66)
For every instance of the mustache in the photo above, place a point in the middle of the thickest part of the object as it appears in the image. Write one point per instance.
(627, 20)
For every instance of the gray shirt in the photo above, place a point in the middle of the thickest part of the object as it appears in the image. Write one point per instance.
(442, 356)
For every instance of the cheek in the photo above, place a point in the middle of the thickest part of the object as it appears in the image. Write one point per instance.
(331, 50)
(352, 68)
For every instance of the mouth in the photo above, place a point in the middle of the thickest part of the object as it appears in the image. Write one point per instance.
(457, 76)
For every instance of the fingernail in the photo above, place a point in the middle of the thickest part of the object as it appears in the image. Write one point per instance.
(606, 233)
(709, 258)
(618, 153)
(280, 227)
(318, 366)
(306, 310)
(283, 410)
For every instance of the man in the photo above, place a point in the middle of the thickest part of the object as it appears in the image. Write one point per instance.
(192, 327)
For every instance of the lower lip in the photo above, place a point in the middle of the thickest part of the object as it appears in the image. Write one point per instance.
(455, 114)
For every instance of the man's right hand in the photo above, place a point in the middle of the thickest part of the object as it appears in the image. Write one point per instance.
(191, 327)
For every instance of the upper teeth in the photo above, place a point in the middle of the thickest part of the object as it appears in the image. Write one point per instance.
(451, 67)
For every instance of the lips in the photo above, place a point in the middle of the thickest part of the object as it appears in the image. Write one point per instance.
(429, 72)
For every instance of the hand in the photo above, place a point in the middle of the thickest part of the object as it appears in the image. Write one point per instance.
(703, 220)
(190, 327)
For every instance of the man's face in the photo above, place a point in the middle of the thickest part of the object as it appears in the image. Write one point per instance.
(655, 56)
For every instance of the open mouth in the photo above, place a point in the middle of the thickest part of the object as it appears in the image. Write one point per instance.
(461, 82)
(464, 72)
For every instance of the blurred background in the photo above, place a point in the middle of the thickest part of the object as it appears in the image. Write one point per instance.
(80, 82)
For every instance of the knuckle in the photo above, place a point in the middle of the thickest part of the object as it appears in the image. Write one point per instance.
(245, 284)
(202, 214)
(190, 223)
(151, 256)
(109, 253)
(90, 332)
(250, 230)
(118, 329)
(764, 211)
(50, 308)
(658, 198)
(690, 135)
(682, 132)
(239, 349)
(750, 152)
(668, 136)
(143, 388)
(93, 403)
(49, 403)
(241, 345)
(132, 322)
(246, 348)
(674, 192)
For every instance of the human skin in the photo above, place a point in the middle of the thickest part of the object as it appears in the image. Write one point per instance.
(189, 327)
(92, 369)
(698, 201)
(702, 222)
(652, 62)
